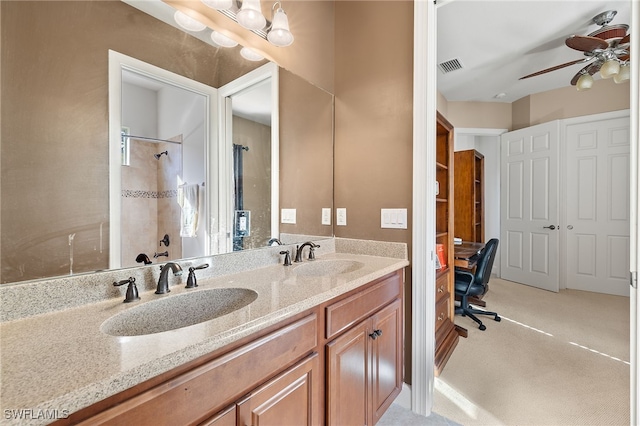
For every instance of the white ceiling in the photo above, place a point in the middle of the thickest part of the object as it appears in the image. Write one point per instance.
(500, 41)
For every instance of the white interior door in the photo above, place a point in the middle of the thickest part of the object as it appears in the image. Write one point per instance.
(597, 205)
(529, 206)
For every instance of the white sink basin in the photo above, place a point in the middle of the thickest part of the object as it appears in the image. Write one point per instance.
(179, 311)
(329, 267)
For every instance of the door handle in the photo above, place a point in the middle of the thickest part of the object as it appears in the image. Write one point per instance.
(552, 227)
(569, 227)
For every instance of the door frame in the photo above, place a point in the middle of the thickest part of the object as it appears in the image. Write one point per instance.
(423, 278)
(117, 63)
(225, 93)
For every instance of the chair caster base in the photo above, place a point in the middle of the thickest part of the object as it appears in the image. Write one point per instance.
(497, 318)
(482, 327)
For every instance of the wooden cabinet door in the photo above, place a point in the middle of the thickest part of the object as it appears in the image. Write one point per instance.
(386, 355)
(348, 365)
(291, 398)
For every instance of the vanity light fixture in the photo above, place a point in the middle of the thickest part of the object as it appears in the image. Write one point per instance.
(279, 34)
(222, 40)
(187, 22)
(218, 4)
(250, 55)
(250, 15)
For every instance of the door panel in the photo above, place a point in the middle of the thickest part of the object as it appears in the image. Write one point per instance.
(597, 210)
(529, 206)
(348, 363)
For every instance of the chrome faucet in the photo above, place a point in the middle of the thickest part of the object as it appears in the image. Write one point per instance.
(312, 247)
(163, 281)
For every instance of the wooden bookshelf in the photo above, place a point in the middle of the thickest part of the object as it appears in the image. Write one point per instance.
(445, 331)
(469, 195)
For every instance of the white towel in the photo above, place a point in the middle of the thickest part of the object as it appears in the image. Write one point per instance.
(189, 201)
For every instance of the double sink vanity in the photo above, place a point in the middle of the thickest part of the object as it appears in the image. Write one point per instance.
(317, 342)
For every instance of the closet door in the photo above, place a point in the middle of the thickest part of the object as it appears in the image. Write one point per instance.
(529, 206)
(597, 205)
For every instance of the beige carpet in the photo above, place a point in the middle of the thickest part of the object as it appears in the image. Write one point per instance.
(554, 359)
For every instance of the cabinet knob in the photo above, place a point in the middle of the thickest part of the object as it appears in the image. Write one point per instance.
(441, 317)
(375, 334)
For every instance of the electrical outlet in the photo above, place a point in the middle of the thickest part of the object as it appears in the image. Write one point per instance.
(326, 216)
(341, 216)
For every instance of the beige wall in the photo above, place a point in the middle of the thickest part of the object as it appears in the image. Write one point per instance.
(492, 115)
(374, 107)
(567, 102)
(538, 108)
(306, 154)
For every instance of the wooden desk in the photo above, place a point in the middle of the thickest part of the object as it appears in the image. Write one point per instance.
(465, 254)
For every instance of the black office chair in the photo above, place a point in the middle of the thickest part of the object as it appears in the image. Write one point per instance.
(476, 284)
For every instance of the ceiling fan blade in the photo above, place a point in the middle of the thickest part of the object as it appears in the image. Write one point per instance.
(591, 69)
(625, 39)
(586, 43)
(557, 67)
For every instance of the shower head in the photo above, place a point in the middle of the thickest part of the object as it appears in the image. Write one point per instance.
(160, 155)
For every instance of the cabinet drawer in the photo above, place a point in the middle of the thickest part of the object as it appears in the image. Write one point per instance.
(192, 396)
(345, 313)
(442, 315)
(442, 287)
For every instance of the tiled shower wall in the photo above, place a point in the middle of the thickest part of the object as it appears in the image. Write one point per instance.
(149, 202)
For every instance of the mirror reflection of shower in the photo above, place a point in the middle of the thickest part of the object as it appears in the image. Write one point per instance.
(163, 136)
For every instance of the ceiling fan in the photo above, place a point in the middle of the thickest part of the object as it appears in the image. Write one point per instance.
(606, 50)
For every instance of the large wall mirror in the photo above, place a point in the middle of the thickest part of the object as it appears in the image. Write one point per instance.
(55, 167)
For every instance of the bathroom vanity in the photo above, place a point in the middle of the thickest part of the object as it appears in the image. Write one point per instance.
(320, 344)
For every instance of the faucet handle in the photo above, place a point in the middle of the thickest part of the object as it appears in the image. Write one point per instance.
(287, 257)
(132, 290)
(191, 279)
(312, 252)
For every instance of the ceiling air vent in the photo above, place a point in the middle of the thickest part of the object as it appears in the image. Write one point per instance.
(450, 65)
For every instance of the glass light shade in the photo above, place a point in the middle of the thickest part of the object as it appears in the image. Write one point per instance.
(187, 22)
(250, 55)
(610, 68)
(218, 4)
(279, 35)
(584, 82)
(250, 15)
(222, 40)
(623, 75)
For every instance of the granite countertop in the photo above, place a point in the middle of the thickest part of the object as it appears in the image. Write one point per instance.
(62, 361)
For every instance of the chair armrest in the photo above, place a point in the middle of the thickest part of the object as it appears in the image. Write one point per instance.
(464, 277)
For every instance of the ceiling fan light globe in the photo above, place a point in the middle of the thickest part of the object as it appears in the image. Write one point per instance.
(623, 75)
(584, 82)
(610, 68)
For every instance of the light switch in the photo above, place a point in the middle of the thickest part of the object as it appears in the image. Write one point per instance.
(341, 216)
(393, 218)
(288, 216)
(326, 216)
